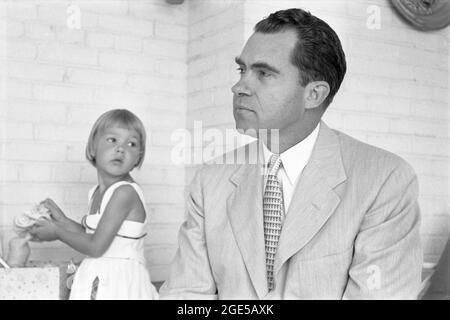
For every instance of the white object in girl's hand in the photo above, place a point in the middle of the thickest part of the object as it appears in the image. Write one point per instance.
(30, 217)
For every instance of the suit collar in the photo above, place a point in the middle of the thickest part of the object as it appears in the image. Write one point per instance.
(244, 209)
(313, 202)
(296, 157)
(314, 199)
(327, 156)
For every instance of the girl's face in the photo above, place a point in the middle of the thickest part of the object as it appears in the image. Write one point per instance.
(117, 151)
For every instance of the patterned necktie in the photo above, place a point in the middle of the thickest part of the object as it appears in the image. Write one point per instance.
(273, 208)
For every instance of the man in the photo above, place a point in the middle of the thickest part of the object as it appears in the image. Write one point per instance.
(330, 218)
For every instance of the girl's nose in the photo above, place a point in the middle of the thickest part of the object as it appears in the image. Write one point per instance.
(120, 148)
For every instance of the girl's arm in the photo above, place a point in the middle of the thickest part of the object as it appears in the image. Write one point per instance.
(72, 226)
(122, 202)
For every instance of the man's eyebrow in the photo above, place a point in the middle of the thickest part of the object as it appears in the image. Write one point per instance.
(264, 65)
(258, 65)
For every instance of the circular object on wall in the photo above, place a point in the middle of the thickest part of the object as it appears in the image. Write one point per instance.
(425, 14)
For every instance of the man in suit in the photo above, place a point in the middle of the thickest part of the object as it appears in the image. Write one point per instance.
(329, 217)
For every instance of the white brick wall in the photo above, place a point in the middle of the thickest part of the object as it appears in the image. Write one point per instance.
(173, 65)
(58, 81)
(216, 34)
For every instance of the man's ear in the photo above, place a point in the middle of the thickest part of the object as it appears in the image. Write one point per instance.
(315, 94)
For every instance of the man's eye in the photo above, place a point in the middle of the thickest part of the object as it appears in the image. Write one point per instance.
(241, 70)
(263, 73)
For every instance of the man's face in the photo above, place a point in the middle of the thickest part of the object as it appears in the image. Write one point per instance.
(269, 94)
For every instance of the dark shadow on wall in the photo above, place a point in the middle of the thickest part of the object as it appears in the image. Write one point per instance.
(439, 288)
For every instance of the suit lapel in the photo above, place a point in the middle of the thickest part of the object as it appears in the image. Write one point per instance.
(244, 208)
(314, 199)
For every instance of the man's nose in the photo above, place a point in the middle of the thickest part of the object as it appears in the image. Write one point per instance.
(241, 88)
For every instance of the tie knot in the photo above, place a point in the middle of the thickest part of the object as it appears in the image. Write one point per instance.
(274, 164)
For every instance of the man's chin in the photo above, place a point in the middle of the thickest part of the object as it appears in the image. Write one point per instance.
(246, 130)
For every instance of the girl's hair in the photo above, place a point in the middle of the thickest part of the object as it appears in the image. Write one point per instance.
(121, 118)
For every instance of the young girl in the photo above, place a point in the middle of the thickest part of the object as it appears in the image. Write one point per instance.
(112, 233)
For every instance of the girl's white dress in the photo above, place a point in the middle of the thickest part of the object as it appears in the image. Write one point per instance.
(120, 273)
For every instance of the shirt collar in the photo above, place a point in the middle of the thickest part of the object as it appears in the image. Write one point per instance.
(295, 158)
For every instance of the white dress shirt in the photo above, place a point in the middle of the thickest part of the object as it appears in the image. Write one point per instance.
(293, 161)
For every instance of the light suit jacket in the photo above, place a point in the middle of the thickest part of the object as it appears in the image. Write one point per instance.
(351, 230)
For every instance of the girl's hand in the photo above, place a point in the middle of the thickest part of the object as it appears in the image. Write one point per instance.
(44, 230)
(56, 213)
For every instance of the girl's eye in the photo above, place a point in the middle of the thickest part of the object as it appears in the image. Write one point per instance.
(111, 139)
(132, 144)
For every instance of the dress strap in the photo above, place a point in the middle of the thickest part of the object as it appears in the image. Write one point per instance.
(109, 192)
(91, 192)
(90, 195)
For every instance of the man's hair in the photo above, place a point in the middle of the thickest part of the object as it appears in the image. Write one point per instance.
(318, 53)
(121, 118)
